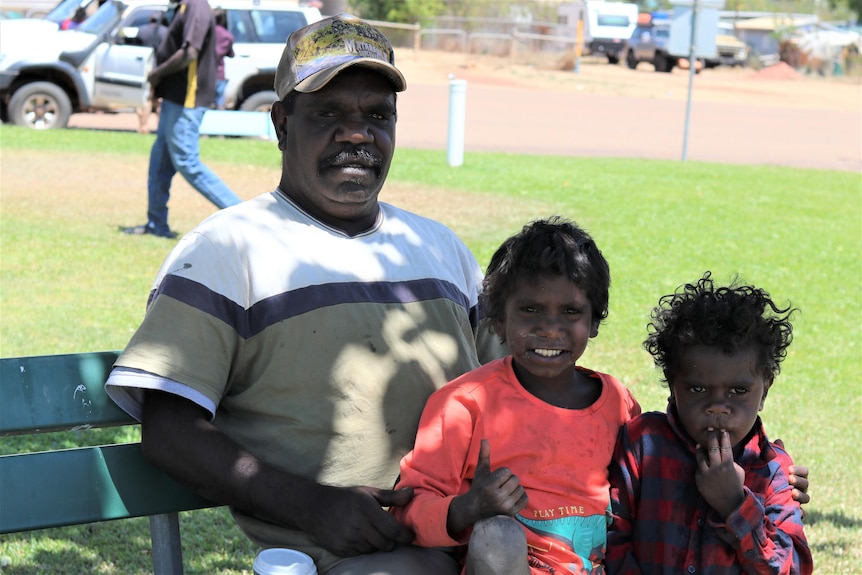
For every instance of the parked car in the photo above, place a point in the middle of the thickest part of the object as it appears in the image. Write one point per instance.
(13, 9)
(47, 74)
(649, 43)
(730, 50)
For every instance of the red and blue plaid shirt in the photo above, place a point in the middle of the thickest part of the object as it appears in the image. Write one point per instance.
(662, 524)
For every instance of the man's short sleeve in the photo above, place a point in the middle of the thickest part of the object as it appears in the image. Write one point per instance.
(197, 23)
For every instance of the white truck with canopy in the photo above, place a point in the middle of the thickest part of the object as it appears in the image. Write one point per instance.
(607, 25)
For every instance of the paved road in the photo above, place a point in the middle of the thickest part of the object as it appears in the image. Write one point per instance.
(519, 120)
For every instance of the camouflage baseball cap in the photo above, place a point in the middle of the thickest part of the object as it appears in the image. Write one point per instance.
(315, 54)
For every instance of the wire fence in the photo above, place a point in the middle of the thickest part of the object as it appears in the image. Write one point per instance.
(523, 42)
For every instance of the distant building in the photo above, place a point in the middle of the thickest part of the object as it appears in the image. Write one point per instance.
(764, 34)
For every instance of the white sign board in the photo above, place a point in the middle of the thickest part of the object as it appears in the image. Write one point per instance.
(706, 29)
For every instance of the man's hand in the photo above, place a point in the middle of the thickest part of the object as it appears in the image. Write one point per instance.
(178, 61)
(153, 78)
(351, 520)
(798, 478)
(178, 437)
(719, 479)
(496, 492)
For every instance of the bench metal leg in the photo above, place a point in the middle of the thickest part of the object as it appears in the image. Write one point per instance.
(167, 546)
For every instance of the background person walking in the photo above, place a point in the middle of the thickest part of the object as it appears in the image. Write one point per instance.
(224, 48)
(184, 78)
(152, 34)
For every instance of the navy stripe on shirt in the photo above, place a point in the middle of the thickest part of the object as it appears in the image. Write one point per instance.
(290, 304)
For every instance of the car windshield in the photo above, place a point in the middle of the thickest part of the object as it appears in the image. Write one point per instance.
(267, 26)
(64, 10)
(613, 20)
(105, 17)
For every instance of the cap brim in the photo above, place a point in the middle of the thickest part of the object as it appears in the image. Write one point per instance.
(317, 81)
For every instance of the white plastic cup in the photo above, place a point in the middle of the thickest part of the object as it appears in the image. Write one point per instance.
(278, 561)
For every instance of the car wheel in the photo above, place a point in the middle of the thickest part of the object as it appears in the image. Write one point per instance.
(41, 106)
(613, 59)
(663, 63)
(259, 102)
(631, 62)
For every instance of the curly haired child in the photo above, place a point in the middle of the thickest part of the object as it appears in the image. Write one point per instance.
(700, 489)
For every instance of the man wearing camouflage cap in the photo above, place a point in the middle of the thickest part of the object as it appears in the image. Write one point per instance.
(291, 341)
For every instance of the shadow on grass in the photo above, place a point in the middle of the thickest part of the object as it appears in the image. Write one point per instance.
(834, 518)
(212, 543)
(833, 549)
(60, 562)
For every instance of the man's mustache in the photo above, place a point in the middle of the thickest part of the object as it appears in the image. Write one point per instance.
(353, 156)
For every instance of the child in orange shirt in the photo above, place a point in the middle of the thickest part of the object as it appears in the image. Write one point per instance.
(512, 457)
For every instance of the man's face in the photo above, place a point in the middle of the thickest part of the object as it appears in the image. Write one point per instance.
(337, 146)
(714, 390)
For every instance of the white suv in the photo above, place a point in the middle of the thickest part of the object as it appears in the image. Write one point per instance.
(47, 74)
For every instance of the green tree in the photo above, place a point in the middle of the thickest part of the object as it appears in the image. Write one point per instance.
(404, 11)
(856, 6)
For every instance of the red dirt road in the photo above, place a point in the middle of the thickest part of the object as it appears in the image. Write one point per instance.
(774, 117)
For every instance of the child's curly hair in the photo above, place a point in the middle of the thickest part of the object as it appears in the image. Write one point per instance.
(552, 247)
(731, 318)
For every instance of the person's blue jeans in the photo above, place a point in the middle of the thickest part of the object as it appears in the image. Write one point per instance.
(177, 149)
(220, 94)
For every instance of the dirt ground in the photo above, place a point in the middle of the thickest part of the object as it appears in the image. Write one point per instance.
(595, 76)
(768, 117)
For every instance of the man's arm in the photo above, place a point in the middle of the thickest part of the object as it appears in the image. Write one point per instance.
(178, 437)
(179, 60)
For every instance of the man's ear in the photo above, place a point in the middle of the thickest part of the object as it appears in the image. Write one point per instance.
(594, 329)
(766, 387)
(279, 122)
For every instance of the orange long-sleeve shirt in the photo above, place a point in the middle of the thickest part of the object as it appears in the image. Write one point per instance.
(560, 456)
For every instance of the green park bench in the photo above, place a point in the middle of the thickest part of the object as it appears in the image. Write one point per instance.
(42, 394)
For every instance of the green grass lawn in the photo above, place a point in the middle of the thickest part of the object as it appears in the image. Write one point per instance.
(69, 282)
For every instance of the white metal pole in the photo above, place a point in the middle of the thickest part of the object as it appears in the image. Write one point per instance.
(692, 50)
(457, 119)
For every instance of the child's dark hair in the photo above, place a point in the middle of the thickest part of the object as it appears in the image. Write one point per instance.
(552, 247)
(731, 318)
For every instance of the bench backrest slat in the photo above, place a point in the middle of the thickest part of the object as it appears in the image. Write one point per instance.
(84, 485)
(44, 489)
(57, 393)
